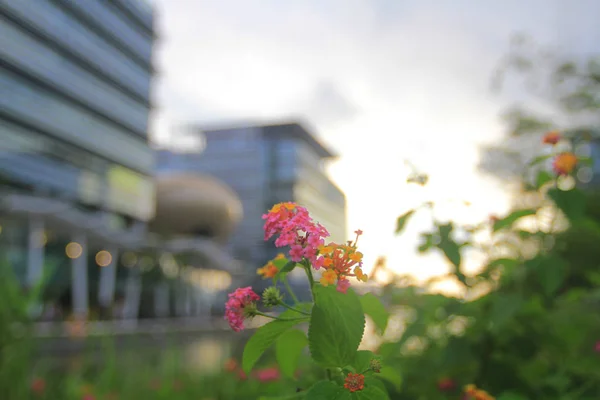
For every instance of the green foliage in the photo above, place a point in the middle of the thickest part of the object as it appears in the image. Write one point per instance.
(336, 326)
(373, 307)
(402, 220)
(264, 337)
(511, 218)
(288, 349)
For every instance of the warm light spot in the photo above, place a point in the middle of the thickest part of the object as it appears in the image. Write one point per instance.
(103, 258)
(73, 250)
(129, 259)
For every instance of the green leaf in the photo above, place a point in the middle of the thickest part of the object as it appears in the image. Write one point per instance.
(326, 390)
(540, 159)
(288, 349)
(264, 337)
(542, 178)
(369, 393)
(449, 247)
(373, 307)
(284, 270)
(551, 273)
(374, 382)
(571, 202)
(402, 220)
(362, 360)
(426, 242)
(511, 218)
(391, 375)
(336, 326)
(504, 306)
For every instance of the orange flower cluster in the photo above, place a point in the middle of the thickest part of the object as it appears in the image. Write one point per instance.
(552, 138)
(268, 271)
(354, 382)
(472, 393)
(341, 261)
(565, 163)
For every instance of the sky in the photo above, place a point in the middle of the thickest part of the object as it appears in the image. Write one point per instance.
(381, 82)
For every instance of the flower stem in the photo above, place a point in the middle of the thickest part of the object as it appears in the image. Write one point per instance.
(293, 309)
(289, 289)
(278, 318)
(311, 280)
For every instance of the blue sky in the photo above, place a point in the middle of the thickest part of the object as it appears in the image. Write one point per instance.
(379, 81)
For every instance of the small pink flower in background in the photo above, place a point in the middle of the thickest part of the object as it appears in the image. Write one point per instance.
(88, 396)
(446, 384)
(551, 138)
(236, 306)
(231, 365)
(597, 347)
(177, 385)
(38, 386)
(268, 374)
(155, 384)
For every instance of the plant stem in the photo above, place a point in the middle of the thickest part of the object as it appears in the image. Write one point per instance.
(311, 280)
(280, 319)
(289, 289)
(293, 309)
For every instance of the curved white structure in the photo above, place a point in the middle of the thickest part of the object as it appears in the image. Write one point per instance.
(193, 204)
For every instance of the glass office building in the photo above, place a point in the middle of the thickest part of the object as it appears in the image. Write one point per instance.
(265, 165)
(75, 164)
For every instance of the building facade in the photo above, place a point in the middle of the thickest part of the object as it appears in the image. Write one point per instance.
(75, 165)
(265, 165)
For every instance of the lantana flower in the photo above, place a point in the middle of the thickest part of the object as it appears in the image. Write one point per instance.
(340, 262)
(241, 305)
(296, 229)
(564, 163)
(268, 271)
(354, 382)
(473, 393)
(552, 138)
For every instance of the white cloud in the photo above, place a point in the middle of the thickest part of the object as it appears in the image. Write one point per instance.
(411, 77)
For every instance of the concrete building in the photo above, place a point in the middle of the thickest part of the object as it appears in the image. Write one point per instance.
(77, 187)
(265, 164)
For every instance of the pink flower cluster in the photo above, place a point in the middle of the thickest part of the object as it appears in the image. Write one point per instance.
(296, 229)
(268, 374)
(234, 308)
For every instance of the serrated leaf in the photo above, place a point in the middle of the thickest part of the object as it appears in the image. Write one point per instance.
(571, 202)
(288, 349)
(402, 220)
(511, 218)
(373, 307)
(326, 390)
(264, 337)
(336, 326)
(362, 360)
(542, 178)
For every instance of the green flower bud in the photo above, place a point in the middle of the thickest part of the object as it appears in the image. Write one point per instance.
(272, 297)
